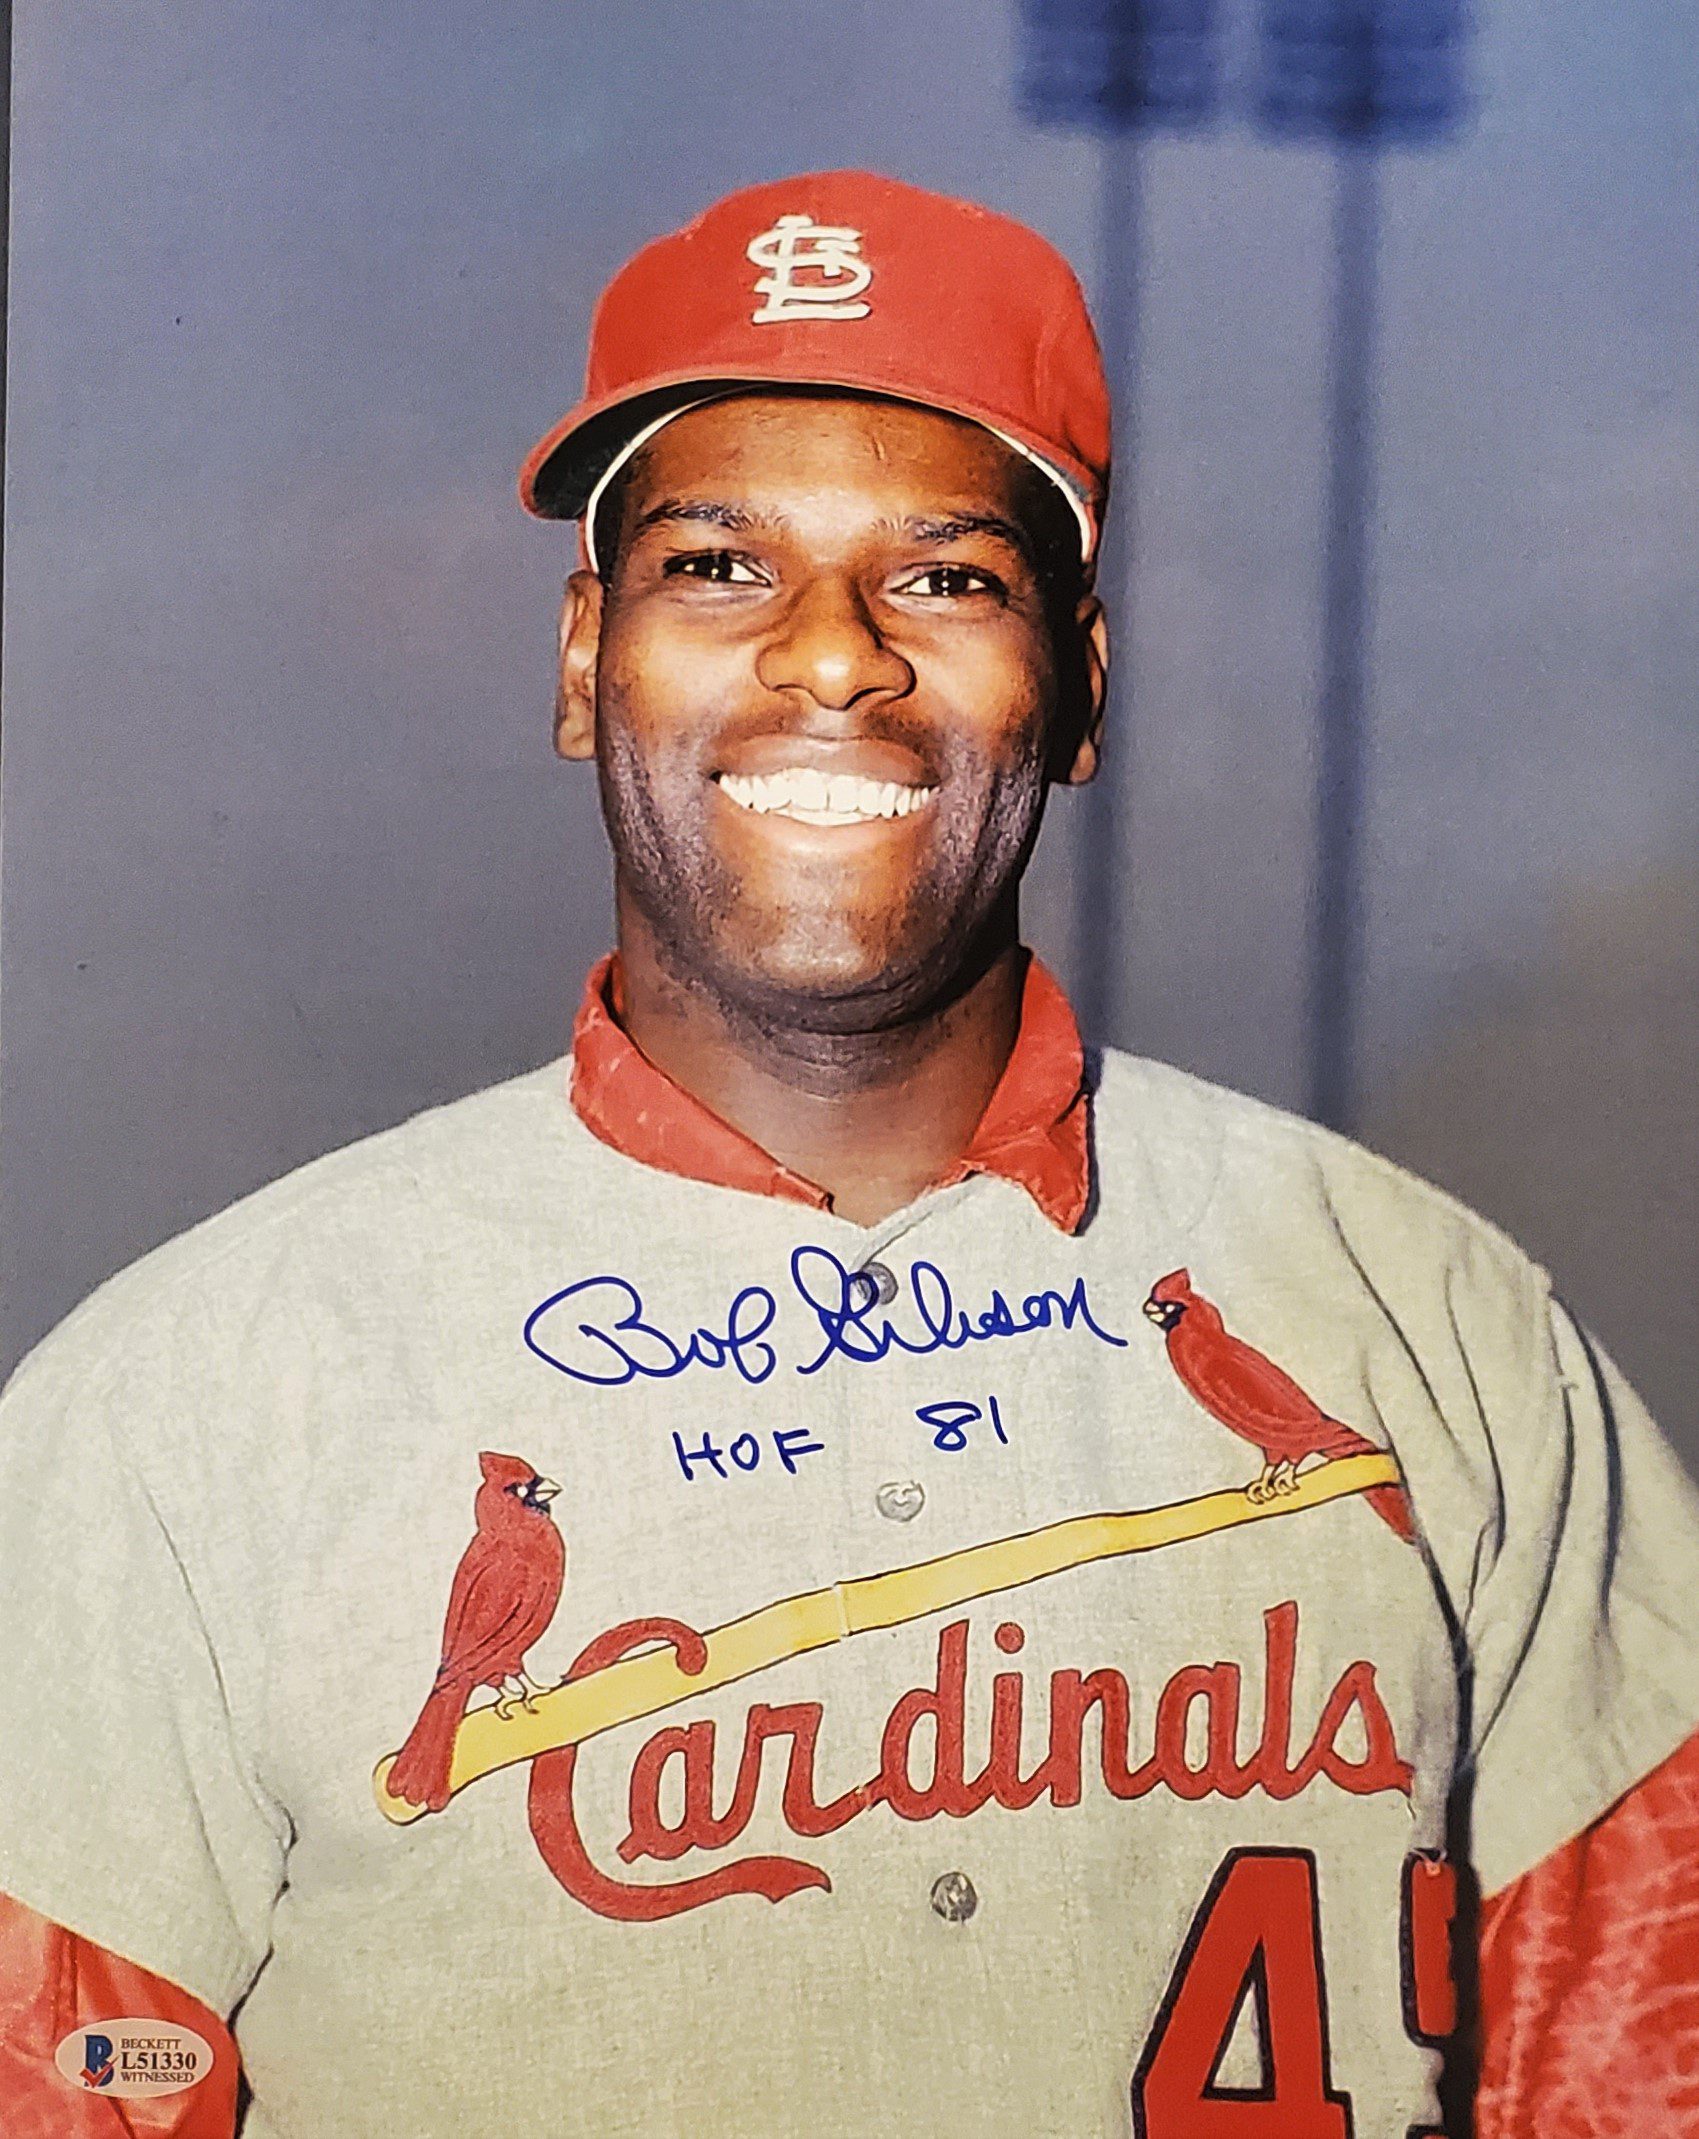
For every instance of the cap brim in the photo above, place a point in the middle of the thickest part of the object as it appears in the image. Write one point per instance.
(563, 468)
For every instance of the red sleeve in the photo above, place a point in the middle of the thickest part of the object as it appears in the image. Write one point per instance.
(1589, 1976)
(52, 1982)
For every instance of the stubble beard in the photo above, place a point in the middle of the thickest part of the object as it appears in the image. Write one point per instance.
(828, 968)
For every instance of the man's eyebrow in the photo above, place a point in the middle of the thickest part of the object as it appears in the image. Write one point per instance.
(956, 525)
(738, 519)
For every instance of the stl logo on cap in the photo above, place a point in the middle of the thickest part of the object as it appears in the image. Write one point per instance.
(831, 252)
(689, 314)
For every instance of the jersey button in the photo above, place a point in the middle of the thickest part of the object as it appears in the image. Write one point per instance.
(953, 1897)
(900, 1500)
(871, 1286)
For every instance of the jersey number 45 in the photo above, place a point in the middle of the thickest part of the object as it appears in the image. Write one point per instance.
(1257, 1937)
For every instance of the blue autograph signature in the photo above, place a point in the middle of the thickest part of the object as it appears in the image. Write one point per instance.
(601, 1321)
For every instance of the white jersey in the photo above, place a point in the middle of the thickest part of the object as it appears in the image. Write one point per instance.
(981, 1713)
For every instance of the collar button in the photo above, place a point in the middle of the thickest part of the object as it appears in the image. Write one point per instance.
(872, 1286)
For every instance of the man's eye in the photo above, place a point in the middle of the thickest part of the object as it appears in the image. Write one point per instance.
(721, 567)
(949, 582)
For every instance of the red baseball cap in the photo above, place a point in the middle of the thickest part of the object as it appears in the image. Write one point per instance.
(845, 279)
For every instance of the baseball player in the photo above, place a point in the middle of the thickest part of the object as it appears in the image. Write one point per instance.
(836, 1563)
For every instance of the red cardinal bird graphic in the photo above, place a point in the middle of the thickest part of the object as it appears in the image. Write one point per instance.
(505, 1592)
(1237, 1385)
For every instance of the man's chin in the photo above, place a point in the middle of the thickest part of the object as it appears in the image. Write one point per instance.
(828, 987)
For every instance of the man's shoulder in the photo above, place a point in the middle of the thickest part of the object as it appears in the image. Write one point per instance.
(323, 1219)
(1208, 1153)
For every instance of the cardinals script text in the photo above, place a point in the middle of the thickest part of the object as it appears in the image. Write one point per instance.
(1191, 1756)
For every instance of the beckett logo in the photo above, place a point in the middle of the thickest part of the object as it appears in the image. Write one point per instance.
(97, 2061)
(132, 2057)
(814, 271)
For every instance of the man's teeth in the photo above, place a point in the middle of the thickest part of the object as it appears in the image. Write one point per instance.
(823, 798)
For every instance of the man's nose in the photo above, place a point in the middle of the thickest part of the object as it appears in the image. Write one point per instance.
(828, 644)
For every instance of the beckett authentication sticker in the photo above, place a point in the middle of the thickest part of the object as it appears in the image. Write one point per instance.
(134, 2057)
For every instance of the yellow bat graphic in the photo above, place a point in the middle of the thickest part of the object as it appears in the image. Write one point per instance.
(645, 1684)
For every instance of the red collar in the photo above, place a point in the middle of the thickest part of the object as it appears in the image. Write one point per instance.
(1034, 1130)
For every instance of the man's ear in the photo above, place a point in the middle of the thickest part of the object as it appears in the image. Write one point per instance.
(1091, 686)
(575, 684)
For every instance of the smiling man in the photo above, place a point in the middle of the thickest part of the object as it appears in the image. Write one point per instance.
(837, 650)
(1092, 1606)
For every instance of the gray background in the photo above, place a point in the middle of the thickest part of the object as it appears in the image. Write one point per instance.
(286, 854)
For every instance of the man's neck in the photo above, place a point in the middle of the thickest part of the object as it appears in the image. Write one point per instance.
(872, 1118)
